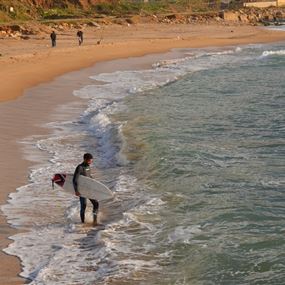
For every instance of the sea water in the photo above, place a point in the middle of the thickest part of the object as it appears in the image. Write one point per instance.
(193, 149)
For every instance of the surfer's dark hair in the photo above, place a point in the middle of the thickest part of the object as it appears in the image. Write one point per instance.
(87, 156)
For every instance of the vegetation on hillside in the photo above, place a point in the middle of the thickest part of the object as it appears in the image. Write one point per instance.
(21, 10)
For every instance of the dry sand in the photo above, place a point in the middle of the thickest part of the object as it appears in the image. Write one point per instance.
(28, 63)
(25, 64)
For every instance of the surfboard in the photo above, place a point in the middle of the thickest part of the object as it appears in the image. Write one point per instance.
(87, 187)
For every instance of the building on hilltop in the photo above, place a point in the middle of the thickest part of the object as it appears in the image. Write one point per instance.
(264, 3)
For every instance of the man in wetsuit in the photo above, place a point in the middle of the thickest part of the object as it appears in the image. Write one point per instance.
(84, 169)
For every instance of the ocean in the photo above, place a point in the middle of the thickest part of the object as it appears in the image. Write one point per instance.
(193, 148)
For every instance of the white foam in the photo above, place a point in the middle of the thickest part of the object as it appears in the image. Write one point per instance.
(273, 53)
(104, 99)
(121, 157)
(182, 234)
(224, 52)
(277, 28)
(56, 249)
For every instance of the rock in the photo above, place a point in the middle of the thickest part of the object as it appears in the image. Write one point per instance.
(29, 32)
(134, 20)
(25, 37)
(16, 35)
(279, 15)
(171, 17)
(78, 26)
(93, 24)
(15, 28)
(60, 27)
(252, 19)
(230, 16)
(119, 21)
(243, 18)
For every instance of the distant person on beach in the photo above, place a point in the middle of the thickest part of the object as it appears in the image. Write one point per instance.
(53, 39)
(80, 37)
(84, 169)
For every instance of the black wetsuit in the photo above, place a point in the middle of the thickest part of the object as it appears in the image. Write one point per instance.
(84, 169)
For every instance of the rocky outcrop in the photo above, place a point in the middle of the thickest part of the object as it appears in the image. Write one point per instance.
(254, 15)
(248, 16)
(23, 31)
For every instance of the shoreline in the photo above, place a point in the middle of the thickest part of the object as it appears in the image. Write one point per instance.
(34, 114)
(30, 68)
(23, 70)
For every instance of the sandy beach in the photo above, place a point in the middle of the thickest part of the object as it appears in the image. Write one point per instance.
(28, 63)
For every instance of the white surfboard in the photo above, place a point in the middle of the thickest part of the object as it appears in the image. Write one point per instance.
(87, 187)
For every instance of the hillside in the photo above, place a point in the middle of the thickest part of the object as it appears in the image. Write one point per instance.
(59, 9)
(43, 9)
(20, 19)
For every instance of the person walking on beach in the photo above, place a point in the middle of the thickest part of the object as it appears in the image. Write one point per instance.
(53, 39)
(84, 169)
(80, 37)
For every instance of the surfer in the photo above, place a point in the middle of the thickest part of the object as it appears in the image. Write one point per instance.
(84, 169)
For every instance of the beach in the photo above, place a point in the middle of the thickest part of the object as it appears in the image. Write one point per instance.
(26, 64)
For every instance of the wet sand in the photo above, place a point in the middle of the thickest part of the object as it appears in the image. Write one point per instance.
(25, 64)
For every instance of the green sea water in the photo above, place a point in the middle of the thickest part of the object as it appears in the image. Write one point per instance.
(193, 149)
(211, 146)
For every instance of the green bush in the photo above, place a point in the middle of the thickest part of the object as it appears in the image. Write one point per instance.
(21, 11)
(63, 9)
(122, 8)
(61, 13)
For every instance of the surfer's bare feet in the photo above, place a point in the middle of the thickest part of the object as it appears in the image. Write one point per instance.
(95, 224)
